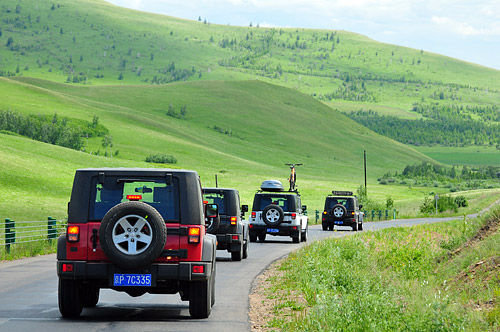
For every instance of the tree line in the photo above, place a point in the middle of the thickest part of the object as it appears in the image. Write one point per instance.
(51, 129)
(446, 131)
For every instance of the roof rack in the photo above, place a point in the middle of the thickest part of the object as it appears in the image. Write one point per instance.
(342, 193)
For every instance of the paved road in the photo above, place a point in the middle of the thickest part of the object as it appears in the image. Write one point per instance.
(28, 293)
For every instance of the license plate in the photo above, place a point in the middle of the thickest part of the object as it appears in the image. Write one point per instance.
(273, 230)
(339, 222)
(132, 280)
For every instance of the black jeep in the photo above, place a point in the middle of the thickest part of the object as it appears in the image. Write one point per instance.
(230, 229)
(136, 231)
(342, 209)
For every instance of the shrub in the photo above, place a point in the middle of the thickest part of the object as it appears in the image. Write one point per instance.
(161, 159)
(461, 201)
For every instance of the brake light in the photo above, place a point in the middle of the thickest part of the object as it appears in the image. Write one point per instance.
(294, 228)
(294, 215)
(67, 267)
(233, 220)
(194, 235)
(198, 269)
(73, 233)
(134, 197)
(235, 237)
(250, 225)
(205, 202)
(254, 214)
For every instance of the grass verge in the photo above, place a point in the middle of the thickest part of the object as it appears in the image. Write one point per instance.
(436, 277)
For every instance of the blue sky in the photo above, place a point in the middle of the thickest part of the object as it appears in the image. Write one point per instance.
(463, 29)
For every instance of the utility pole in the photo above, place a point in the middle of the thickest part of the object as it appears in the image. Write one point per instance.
(364, 155)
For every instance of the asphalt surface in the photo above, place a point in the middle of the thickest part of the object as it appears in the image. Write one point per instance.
(28, 293)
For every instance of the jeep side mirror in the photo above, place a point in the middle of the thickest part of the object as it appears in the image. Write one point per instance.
(244, 208)
(304, 208)
(211, 211)
(360, 206)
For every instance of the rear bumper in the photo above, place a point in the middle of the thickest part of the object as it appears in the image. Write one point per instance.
(343, 222)
(283, 230)
(159, 272)
(227, 242)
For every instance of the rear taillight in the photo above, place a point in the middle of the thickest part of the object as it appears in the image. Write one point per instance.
(294, 215)
(194, 235)
(198, 269)
(134, 197)
(73, 233)
(235, 237)
(67, 267)
(254, 214)
(233, 220)
(294, 228)
(250, 225)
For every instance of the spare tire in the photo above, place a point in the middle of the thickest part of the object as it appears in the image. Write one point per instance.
(132, 234)
(272, 215)
(338, 211)
(212, 225)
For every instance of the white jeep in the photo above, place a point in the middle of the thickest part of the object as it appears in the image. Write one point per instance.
(278, 212)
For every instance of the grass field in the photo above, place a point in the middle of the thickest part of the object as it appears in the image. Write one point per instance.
(471, 155)
(259, 145)
(255, 99)
(440, 277)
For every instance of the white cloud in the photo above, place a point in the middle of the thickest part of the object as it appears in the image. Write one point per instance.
(466, 29)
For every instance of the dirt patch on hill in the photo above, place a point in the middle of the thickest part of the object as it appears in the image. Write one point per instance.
(265, 302)
(489, 228)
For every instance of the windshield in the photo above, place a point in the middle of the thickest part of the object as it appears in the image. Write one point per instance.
(286, 202)
(332, 201)
(216, 198)
(155, 192)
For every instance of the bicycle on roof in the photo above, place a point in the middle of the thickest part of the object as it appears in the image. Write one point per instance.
(293, 175)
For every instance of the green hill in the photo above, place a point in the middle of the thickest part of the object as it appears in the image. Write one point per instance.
(234, 101)
(243, 131)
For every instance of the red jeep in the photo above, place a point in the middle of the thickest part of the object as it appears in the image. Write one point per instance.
(136, 231)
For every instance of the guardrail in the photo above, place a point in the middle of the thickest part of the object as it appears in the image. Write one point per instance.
(30, 231)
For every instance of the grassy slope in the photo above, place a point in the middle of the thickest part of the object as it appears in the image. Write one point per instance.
(110, 40)
(101, 39)
(261, 143)
(440, 277)
(472, 155)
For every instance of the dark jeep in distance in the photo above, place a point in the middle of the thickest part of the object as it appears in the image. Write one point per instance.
(136, 231)
(342, 209)
(230, 229)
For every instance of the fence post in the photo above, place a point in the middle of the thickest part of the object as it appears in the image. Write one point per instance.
(379, 215)
(365, 216)
(51, 228)
(373, 215)
(394, 214)
(10, 233)
(386, 214)
(317, 216)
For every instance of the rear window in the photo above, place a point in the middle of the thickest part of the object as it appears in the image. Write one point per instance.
(286, 202)
(216, 198)
(332, 201)
(153, 191)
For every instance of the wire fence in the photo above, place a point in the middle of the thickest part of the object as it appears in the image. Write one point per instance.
(21, 232)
